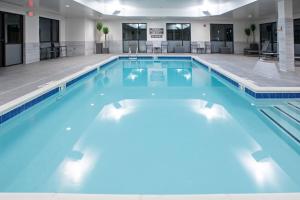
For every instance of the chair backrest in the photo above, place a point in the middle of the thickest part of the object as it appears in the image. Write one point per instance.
(164, 43)
(265, 46)
(202, 44)
(45, 44)
(149, 43)
(56, 44)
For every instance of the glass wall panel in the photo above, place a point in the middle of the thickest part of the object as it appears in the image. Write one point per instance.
(297, 36)
(134, 37)
(12, 43)
(268, 33)
(49, 38)
(179, 37)
(221, 38)
(2, 39)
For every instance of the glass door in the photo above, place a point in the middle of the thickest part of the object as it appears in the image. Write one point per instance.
(134, 38)
(179, 38)
(13, 34)
(1, 41)
(297, 36)
(221, 36)
(268, 33)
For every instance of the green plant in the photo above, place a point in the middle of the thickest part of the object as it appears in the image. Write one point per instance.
(253, 28)
(105, 30)
(99, 26)
(248, 33)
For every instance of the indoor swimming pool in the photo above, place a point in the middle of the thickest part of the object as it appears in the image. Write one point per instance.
(152, 126)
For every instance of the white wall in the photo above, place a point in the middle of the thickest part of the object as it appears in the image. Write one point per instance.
(200, 31)
(80, 36)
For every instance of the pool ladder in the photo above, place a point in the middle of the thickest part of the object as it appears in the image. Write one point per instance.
(131, 56)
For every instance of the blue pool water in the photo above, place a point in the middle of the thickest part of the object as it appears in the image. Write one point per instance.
(147, 127)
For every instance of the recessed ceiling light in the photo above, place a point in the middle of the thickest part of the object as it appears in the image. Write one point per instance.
(67, 6)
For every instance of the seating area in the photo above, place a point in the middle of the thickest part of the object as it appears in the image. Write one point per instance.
(50, 51)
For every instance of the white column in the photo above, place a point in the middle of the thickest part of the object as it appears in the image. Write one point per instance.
(286, 35)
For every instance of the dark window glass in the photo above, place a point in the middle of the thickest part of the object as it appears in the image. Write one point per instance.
(268, 32)
(130, 32)
(45, 30)
(49, 30)
(179, 32)
(221, 32)
(13, 28)
(142, 32)
(134, 37)
(186, 32)
(55, 31)
(297, 31)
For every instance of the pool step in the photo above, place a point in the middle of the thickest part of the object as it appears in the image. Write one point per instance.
(284, 118)
(295, 105)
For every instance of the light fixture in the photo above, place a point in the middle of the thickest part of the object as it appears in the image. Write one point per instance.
(116, 12)
(67, 6)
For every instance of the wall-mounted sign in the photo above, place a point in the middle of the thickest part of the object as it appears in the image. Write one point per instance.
(156, 32)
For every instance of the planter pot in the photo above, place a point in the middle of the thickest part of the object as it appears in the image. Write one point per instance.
(99, 47)
(105, 50)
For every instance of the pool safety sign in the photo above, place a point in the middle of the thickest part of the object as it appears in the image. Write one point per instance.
(156, 32)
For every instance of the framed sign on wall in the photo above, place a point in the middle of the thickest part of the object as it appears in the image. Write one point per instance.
(156, 32)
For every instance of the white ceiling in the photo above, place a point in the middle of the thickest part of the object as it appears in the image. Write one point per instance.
(175, 9)
(164, 8)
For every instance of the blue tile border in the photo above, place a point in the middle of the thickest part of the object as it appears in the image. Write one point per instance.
(272, 95)
(138, 57)
(234, 83)
(26, 106)
(71, 82)
(80, 77)
(174, 57)
(198, 62)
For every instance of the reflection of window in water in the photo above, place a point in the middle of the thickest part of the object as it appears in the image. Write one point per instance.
(135, 77)
(181, 77)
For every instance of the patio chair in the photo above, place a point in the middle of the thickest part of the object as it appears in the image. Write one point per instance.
(265, 54)
(201, 48)
(194, 46)
(164, 47)
(149, 47)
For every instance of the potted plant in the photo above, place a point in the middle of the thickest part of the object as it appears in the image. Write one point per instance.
(253, 28)
(105, 30)
(99, 44)
(248, 33)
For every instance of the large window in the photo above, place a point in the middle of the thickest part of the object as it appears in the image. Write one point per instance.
(134, 37)
(268, 33)
(179, 37)
(49, 37)
(221, 38)
(297, 36)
